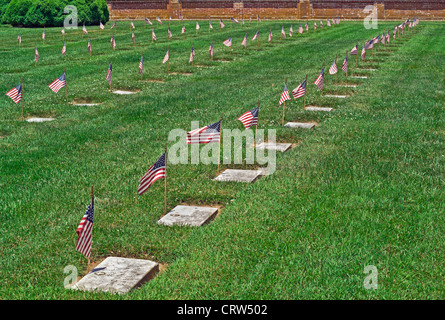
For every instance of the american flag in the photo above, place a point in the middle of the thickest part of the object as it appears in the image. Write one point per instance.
(132, 37)
(114, 24)
(307, 26)
(321, 23)
(141, 65)
(166, 57)
(153, 35)
(369, 45)
(60, 82)
(228, 42)
(283, 34)
(19, 38)
(315, 25)
(159, 20)
(36, 55)
(333, 68)
(197, 26)
(89, 45)
(169, 32)
(210, 25)
(256, 35)
(110, 73)
(100, 26)
(285, 95)
(242, 20)
(148, 21)
(354, 50)
(363, 55)
(270, 35)
(63, 31)
(250, 19)
(394, 34)
(300, 29)
(43, 35)
(382, 40)
(221, 24)
(333, 20)
(183, 29)
(328, 23)
(131, 23)
(85, 230)
(244, 42)
(291, 31)
(344, 67)
(84, 30)
(376, 39)
(207, 134)
(234, 20)
(338, 20)
(15, 93)
(299, 91)
(258, 18)
(113, 43)
(211, 49)
(249, 118)
(387, 37)
(64, 48)
(319, 81)
(192, 55)
(155, 172)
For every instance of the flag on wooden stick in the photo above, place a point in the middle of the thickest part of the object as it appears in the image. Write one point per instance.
(85, 230)
(155, 172)
(15, 93)
(57, 84)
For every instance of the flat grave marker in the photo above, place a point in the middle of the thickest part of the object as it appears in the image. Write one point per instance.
(282, 147)
(324, 109)
(239, 175)
(123, 92)
(39, 119)
(188, 216)
(304, 125)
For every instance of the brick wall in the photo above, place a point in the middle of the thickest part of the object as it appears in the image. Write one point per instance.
(274, 9)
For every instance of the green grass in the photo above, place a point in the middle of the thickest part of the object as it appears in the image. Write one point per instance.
(365, 187)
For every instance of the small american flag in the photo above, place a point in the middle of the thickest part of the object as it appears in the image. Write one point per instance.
(315, 25)
(84, 30)
(132, 24)
(183, 29)
(132, 37)
(300, 29)
(169, 32)
(333, 68)
(60, 82)
(299, 91)
(85, 230)
(307, 26)
(249, 118)
(338, 20)
(207, 134)
(15, 93)
(148, 21)
(321, 23)
(192, 55)
(19, 38)
(250, 19)
(210, 25)
(382, 40)
(344, 67)
(354, 50)
(387, 37)
(256, 35)
(369, 45)
(283, 34)
(319, 81)
(89, 45)
(43, 35)
(363, 55)
(270, 36)
(285, 95)
(234, 20)
(376, 39)
(141, 65)
(64, 48)
(244, 42)
(113, 43)
(166, 57)
(394, 35)
(291, 31)
(101, 25)
(110, 74)
(228, 42)
(153, 35)
(36, 55)
(197, 26)
(211, 49)
(258, 18)
(155, 172)
(328, 23)
(114, 24)
(159, 20)
(221, 24)
(63, 31)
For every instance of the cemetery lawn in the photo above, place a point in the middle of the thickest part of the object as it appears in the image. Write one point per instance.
(364, 187)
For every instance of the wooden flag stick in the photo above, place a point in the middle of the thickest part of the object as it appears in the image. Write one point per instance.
(21, 103)
(111, 61)
(92, 203)
(142, 71)
(219, 149)
(165, 182)
(346, 67)
(168, 61)
(66, 85)
(284, 106)
(256, 127)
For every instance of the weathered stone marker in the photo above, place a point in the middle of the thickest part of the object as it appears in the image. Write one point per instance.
(304, 125)
(239, 175)
(123, 92)
(283, 147)
(318, 109)
(40, 119)
(118, 275)
(189, 216)
(87, 104)
(359, 77)
(336, 96)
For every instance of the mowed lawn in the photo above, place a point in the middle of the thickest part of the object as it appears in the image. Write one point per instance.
(365, 187)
